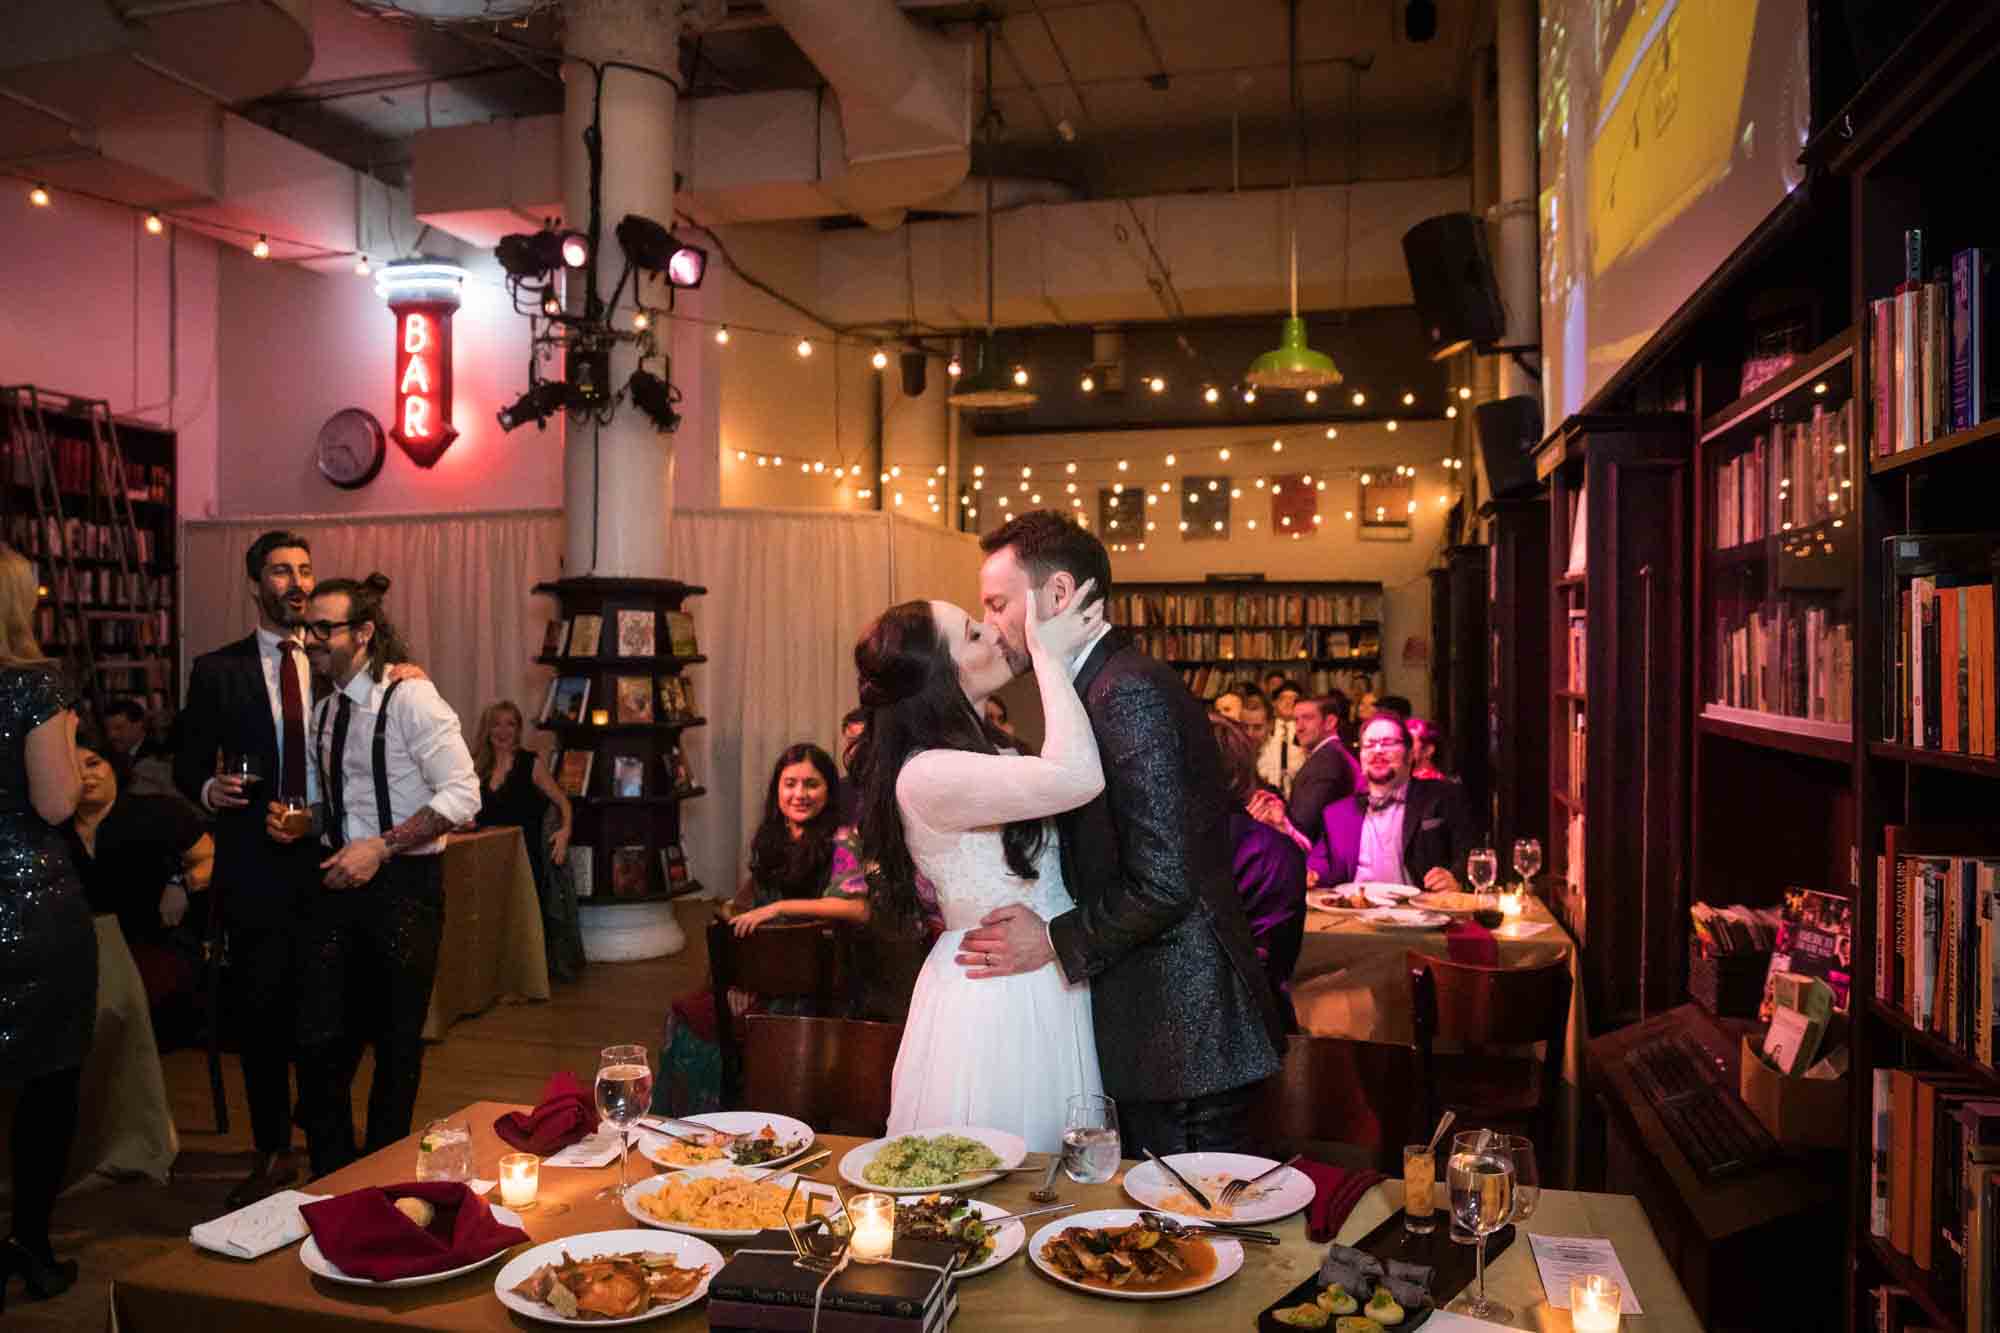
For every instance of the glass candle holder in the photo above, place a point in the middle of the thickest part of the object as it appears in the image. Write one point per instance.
(1511, 904)
(1594, 1300)
(873, 1221)
(600, 717)
(520, 1179)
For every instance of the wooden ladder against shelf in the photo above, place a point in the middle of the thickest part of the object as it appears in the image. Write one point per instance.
(28, 424)
(110, 504)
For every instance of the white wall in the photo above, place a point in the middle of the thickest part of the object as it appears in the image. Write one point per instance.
(95, 306)
(1337, 551)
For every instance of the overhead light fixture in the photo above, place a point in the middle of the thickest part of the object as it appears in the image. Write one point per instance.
(805, 347)
(1211, 394)
(39, 195)
(639, 321)
(652, 247)
(880, 360)
(656, 398)
(722, 335)
(538, 404)
(954, 368)
(551, 305)
(530, 254)
(1249, 395)
(1087, 384)
(989, 385)
(1157, 384)
(153, 224)
(261, 250)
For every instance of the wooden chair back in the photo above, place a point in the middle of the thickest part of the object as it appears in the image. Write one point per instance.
(772, 962)
(832, 1073)
(1480, 1011)
(1332, 1090)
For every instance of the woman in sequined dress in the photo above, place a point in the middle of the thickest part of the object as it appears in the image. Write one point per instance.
(48, 944)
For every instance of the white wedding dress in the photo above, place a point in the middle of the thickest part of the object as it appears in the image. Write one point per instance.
(1001, 1052)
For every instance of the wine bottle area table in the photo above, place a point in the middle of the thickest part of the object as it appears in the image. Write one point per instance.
(196, 1289)
(492, 947)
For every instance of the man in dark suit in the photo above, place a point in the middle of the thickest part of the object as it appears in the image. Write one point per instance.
(252, 697)
(1186, 1023)
(1329, 771)
(1398, 829)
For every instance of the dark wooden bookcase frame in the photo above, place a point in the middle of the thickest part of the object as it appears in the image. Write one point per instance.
(1518, 665)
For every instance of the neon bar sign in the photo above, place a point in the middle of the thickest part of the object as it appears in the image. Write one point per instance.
(422, 295)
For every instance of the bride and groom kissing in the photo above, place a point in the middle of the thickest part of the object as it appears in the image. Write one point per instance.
(1093, 938)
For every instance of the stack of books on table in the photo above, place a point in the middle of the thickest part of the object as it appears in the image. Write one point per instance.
(764, 1287)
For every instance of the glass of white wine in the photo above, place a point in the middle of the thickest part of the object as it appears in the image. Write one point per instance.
(624, 1092)
(1481, 1176)
(1527, 861)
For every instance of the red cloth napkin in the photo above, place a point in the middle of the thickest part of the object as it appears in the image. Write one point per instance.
(565, 1115)
(364, 1235)
(1336, 1189)
(1470, 942)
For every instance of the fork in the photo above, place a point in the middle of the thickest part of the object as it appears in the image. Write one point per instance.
(1238, 1187)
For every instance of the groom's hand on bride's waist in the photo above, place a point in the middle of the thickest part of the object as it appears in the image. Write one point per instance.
(1009, 941)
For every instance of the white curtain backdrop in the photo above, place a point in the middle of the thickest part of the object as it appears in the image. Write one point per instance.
(788, 593)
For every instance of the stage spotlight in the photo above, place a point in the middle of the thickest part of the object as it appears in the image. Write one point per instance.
(527, 254)
(656, 398)
(538, 404)
(575, 249)
(650, 246)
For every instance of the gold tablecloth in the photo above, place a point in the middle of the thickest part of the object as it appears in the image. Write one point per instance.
(196, 1289)
(1351, 980)
(492, 946)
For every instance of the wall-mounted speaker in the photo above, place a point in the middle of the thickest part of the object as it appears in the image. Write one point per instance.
(1509, 429)
(915, 365)
(1451, 277)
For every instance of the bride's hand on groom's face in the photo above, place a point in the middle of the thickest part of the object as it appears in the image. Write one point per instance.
(1070, 628)
(1008, 941)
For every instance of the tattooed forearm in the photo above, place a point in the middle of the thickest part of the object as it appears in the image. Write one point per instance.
(425, 826)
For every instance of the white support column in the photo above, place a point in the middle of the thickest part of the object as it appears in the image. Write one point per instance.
(1519, 276)
(618, 480)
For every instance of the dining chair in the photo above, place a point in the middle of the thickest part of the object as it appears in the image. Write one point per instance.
(1332, 1090)
(1476, 1028)
(832, 1073)
(775, 963)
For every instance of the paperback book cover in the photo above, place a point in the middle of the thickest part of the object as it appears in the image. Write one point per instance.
(676, 699)
(553, 635)
(628, 776)
(568, 699)
(678, 770)
(583, 635)
(573, 770)
(635, 633)
(635, 699)
(680, 633)
(673, 866)
(1815, 939)
(628, 872)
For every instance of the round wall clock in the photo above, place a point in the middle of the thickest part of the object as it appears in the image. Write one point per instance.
(350, 448)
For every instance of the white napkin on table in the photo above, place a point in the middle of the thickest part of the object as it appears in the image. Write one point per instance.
(269, 1224)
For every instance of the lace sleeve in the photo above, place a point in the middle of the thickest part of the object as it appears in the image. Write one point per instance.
(952, 790)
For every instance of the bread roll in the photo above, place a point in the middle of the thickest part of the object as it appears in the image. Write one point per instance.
(417, 1210)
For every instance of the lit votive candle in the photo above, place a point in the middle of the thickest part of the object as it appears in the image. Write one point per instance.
(874, 1226)
(1593, 1303)
(600, 717)
(1510, 904)
(520, 1179)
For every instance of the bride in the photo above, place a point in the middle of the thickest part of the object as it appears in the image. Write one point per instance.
(945, 796)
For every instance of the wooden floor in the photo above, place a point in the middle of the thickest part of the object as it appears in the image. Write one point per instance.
(506, 1054)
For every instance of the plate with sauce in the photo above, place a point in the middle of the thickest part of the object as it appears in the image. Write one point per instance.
(1197, 1263)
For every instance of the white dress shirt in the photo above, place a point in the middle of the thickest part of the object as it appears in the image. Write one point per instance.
(1083, 654)
(1281, 758)
(271, 657)
(428, 762)
(1380, 859)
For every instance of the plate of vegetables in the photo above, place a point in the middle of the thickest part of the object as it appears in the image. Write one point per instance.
(956, 1218)
(740, 1138)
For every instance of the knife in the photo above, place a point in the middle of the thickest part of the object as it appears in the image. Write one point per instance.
(1185, 1183)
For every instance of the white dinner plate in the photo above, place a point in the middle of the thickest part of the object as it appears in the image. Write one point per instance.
(1228, 1255)
(1282, 1195)
(1007, 1241)
(787, 1129)
(1009, 1148)
(686, 1250)
(1323, 900)
(654, 1184)
(1404, 918)
(313, 1258)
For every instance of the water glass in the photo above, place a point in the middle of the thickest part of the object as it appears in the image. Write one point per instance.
(1090, 1139)
(1482, 1199)
(445, 1151)
(1527, 861)
(1527, 1180)
(624, 1092)
(1419, 1189)
(1482, 868)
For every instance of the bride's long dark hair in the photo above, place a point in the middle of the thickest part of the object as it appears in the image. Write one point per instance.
(910, 688)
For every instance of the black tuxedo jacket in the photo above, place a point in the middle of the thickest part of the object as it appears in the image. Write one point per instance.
(228, 710)
(1181, 1003)
(1329, 773)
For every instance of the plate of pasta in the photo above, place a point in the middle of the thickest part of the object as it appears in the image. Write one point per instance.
(724, 1202)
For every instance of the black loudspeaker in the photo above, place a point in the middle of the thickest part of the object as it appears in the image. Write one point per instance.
(1452, 280)
(1509, 431)
(915, 367)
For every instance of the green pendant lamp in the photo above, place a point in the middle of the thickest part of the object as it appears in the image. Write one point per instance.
(1293, 365)
(990, 384)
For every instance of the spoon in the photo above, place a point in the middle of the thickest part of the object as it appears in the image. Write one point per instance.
(1444, 1123)
(1047, 1192)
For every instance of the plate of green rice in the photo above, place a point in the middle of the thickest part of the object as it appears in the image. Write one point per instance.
(959, 1157)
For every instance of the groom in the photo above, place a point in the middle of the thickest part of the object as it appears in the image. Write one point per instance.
(1184, 1018)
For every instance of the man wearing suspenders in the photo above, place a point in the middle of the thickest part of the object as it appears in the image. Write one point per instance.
(395, 776)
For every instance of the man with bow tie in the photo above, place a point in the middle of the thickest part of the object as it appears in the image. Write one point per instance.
(1397, 829)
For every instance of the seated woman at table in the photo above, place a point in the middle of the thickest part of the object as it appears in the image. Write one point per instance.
(1270, 868)
(516, 791)
(803, 867)
(1426, 740)
(140, 858)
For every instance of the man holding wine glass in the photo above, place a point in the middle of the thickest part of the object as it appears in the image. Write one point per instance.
(1397, 829)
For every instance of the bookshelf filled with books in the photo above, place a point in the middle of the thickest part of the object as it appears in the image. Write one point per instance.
(618, 707)
(1324, 634)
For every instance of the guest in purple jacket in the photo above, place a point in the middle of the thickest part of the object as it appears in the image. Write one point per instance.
(1270, 868)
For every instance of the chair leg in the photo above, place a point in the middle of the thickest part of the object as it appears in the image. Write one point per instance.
(214, 1035)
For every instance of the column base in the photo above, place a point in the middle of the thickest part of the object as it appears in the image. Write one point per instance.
(615, 932)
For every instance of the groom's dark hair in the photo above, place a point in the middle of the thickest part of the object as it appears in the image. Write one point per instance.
(1045, 543)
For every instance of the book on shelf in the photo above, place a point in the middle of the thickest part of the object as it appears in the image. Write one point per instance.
(628, 776)
(1815, 940)
(573, 769)
(1579, 651)
(1785, 658)
(1579, 538)
(1934, 1140)
(1205, 606)
(635, 633)
(679, 772)
(1929, 349)
(584, 633)
(553, 635)
(1937, 896)
(568, 699)
(680, 634)
(676, 699)
(673, 866)
(634, 699)
(628, 871)
(1579, 751)
(579, 862)
(1941, 660)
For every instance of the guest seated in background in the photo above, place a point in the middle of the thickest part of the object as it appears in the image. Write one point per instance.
(1426, 739)
(140, 858)
(1398, 829)
(517, 791)
(1256, 717)
(1270, 868)
(148, 765)
(851, 728)
(1272, 683)
(1329, 772)
(1395, 703)
(1278, 762)
(995, 709)
(1229, 704)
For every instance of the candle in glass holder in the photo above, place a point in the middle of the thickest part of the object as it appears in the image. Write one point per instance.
(520, 1179)
(1510, 904)
(1594, 1300)
(600, 717)
(873, 1218)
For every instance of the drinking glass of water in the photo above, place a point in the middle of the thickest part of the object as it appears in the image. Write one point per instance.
(1527, 1180)
(1482, 868)
(624, 1092)
(445, 1151)
(1527, 861)
(1482, 1201)
(1090, 1139)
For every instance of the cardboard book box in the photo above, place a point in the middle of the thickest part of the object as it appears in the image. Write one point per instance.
(1799, 1112)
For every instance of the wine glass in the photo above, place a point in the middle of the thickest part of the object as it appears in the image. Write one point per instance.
(1090, 1139)
(1527, 861)
(1482, 1200)
(1482, 867)
(624, 1092)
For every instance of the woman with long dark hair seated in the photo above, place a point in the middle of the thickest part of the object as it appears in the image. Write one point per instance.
(1270, 868)
(945, 794)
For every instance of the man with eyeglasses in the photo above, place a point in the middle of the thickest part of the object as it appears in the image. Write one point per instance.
(395, 776)
(1397, 829)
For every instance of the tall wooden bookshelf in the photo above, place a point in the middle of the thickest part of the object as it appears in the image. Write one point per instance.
(1518, 697)
(1325, 634)
(1459, 671)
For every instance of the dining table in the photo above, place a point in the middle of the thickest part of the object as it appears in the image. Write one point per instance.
(492, 948)
(192, 1288)
(1352, 979)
